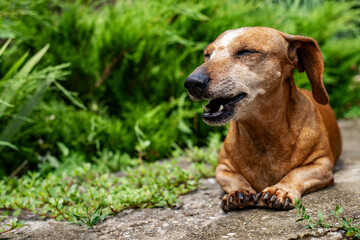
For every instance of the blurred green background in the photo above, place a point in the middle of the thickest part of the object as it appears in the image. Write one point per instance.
(102, 81)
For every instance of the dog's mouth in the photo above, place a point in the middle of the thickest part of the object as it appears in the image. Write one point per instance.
(220, 110)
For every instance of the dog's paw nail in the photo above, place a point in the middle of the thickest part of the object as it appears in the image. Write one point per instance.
(237, 200)
(258, 196)
(288, 204)
(253, 196)
(241, 196)
(287, 201)
(266, 196)
(273, 198)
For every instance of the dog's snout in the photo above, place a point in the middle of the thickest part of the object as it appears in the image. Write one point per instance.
(197, 84)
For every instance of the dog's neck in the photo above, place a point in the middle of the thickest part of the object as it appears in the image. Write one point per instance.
(273, 120)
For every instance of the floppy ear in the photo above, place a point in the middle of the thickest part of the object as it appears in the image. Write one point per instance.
(305, 54)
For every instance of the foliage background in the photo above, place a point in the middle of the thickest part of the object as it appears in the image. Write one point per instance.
(128, 61)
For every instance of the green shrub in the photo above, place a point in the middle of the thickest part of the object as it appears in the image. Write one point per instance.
(58, 128)
(130, 51)
(21, 89)
(132, 57)
(127, 48)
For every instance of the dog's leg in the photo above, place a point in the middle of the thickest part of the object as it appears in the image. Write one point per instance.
(239, 192)
(304, 179)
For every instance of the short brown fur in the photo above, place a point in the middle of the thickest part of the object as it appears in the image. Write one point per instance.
(282, 141)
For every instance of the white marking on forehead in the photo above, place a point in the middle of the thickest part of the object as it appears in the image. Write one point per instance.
(229, 36)
(224, 42)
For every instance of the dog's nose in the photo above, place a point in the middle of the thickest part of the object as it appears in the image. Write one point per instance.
(197, 84)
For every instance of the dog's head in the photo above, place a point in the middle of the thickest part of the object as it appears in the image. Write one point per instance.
(251, 63)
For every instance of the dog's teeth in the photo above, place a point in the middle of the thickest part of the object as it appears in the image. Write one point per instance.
(221, 108)
(206, 109)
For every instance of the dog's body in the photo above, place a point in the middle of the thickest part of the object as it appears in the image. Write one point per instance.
(282, 142)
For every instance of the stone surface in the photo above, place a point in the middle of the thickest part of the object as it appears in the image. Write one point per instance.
(199, 217)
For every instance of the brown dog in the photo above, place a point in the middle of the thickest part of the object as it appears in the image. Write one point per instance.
(282, 142)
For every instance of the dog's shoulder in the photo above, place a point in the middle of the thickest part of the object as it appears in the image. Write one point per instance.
(325, 121)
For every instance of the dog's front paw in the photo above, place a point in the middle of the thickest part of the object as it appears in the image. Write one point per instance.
(276, 197)
(237, 200)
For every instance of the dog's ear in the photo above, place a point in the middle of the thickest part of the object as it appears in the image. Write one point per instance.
(305, 54)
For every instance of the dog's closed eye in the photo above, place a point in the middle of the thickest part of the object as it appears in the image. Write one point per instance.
(244, 53)
(206, 57)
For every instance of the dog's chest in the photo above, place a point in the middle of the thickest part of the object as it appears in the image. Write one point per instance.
(267, 170)
(263, 165)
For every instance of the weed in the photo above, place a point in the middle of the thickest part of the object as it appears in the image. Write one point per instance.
(89, 218)
(352, 230)
(85, 194)
(70, 193)
(13, 224)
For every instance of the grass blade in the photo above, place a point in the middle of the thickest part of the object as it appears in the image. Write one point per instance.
(69, 95)
(7, 144)
(26, 69)
(6, 104)
(15, 124)
(15, 67)
(4, 46)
